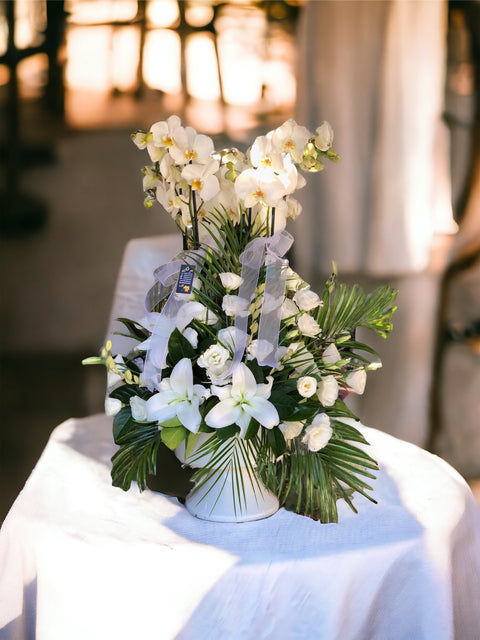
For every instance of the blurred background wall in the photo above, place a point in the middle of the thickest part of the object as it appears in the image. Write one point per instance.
(78, 76)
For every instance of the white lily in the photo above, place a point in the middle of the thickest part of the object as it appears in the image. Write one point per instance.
(178, 397)
(242, 400)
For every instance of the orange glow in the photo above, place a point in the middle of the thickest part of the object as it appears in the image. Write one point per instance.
(162, 13)
(161, 62)
(88, 54)
(100, 11)
(202, 75)
(125, 57)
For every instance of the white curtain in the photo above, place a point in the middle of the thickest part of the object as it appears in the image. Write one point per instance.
(375, 71)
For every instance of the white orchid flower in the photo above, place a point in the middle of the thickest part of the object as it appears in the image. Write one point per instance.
(291, 138)
(294, 208)
(202, 179)
(162, 136)
(259, 186)
(141, 138)
(264, 215)
(264, 154)
(324, 136)
(178, 397)
(190, 145)
(242, 400)
(168, 198)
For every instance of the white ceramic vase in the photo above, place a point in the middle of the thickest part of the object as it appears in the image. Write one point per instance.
(219, 500)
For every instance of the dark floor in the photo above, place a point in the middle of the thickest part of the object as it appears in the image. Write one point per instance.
(30, 411)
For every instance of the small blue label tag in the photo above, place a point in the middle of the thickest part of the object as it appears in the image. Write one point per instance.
(185, 279)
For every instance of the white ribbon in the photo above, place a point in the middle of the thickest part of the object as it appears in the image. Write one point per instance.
(259, 251)
(177, 312)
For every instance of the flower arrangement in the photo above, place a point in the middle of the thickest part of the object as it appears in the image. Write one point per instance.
(238, 360)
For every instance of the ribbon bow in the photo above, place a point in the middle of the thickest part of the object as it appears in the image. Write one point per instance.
(259, 251)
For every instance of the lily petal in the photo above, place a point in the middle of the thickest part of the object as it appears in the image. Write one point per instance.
(189, 415)
(181, 378)
(263, 411)
(223, 414)
(159, 411)
(244, 384)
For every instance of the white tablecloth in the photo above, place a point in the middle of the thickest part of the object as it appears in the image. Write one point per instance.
(80, 559)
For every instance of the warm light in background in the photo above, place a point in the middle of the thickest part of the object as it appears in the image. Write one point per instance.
(202, 71)
(161, 61)
(162, 13)
(88, 54)
(100, 11)
(248, 59)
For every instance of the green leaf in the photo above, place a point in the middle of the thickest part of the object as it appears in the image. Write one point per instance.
(190, 443)
(136, 458)
(121, 422)
(172, 437)
(227, 432)
(252, 429)
(284, 404)
(172, 422)
(179, 347)
(135, 330)
(124, 393)
(276, 441)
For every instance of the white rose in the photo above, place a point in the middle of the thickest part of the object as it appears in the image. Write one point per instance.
(308, 326)
(207, 317)
(230, 280)
(293, 280)
(331, 355)
(289, 310)
(235, 306)
(357, 380)
(112, 406)
(139, 408)
(318, 433)
(306, 299)
(327, 391)
(227, 337)
(192, 336)
(259, 349)
(214, 356)
(291, 429)
(306, 386)
(324, 137)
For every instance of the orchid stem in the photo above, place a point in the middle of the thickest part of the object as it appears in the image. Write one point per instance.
(195, 221)
(272, 226)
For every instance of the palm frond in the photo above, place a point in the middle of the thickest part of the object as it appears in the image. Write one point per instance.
(347, 307)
